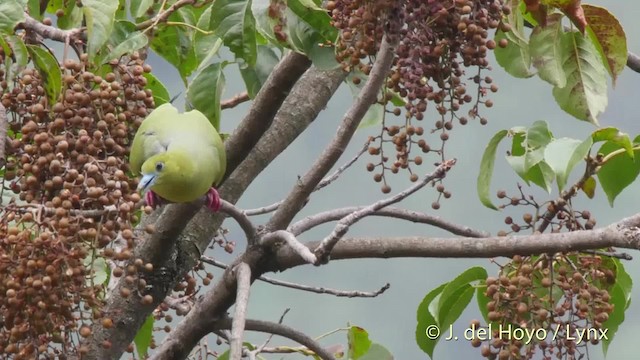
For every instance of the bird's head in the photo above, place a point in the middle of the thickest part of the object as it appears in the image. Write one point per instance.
(159, 169)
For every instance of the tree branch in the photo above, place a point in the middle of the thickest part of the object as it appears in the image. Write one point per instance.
(239, 216)
(4, 126)
(243, 276)
(324, 248)
(278, 329)
(51, 32)
(235, 100)
(270, 239)
(264, 107)
(316, 87)
(624, 234)
(367, 96)
(393, 212)
(162, 16)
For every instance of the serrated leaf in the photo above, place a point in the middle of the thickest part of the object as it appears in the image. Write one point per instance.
(49, 69)
(426, 320)
(589, 187)
(205, 91)
(159, 91)
(139, 7)
(144, 336)
(11, 13)
(563, 155)
(359, 342)
(608, 35)
(255, 76)
(617, 172)
(377, 352)
(546, 51)
(100, 15)
(486, 169)
(585, 95)
(232, 20)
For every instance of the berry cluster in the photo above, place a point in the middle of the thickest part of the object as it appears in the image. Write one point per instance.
(438, 40)
(67, 163)
(559, 296)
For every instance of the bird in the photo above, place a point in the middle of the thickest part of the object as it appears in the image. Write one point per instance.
(180, 156)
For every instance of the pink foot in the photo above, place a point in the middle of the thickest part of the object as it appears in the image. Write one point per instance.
(213, 202)
(152, 199)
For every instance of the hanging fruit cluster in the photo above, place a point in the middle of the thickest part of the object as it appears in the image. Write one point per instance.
(439, 41)
(66, 162)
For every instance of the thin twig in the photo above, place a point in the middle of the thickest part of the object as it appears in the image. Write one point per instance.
(283, 235)
(163, 15)
(617, 255)
(331, 178)
(258, 350)
(280, 330)
(297, 197)
(312, 221)
(242, 219)
(263, 210)
(313, 289)
(324, 249)
(243, 276)
(236, 100)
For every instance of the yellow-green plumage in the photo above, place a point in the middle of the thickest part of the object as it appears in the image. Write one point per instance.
(187, 146)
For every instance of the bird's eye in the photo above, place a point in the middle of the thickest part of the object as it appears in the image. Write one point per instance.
(159, 166)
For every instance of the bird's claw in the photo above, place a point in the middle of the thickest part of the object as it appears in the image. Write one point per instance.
(213, 202)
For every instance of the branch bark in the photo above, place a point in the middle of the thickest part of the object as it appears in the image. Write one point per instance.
(367, 96)
(624, 234)
(243, 276)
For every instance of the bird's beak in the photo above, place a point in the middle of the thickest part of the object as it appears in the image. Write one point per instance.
(147, 181)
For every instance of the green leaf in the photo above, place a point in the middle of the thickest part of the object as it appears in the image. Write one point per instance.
(72, 17)
(617, 172)
(589, 187)
(33, 7)
(205, 45)
(624, 280)
(453, 307)
(317, 17)
(585, 95)
(11, 13)
(100, 15)
(359, 342)
(159, 91)
(205, 91)
(18, 50)
(255, 76)
(139, 7)
(486, 169)
(49, 69)
(175, 44)
(468, 276)
(427, 321)
(377, 352)
(617, 298)
(563, 155)
(233, 21)
(607, 34)
(538, 134)
(515, 59)
(144, 336)
(615, 136)
(546, 51)
(134, 41)
(483, 299)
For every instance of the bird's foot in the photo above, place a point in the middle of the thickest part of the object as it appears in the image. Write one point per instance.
(213, 202)
(152, 199)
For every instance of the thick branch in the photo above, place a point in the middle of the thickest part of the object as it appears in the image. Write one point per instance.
(280, 330)
(50, 32)
(243, 276)
(290, 239)
(264, 107)
(367, 96)
(316, 87)
(242, 219)
(393, 212)
(624, 234)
